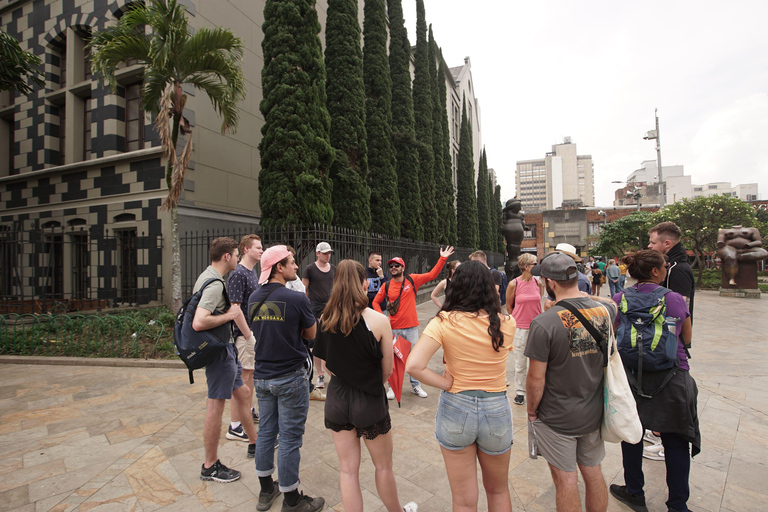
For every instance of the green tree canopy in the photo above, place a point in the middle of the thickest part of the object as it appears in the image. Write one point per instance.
(466, 198)
(382, 178)
(621, 236)
(700, 219)
(449, 193)
(346, 106)
(442, 196)
(296, 155)
(423, 113)
(403, 132)
(501, 244)
(17, 67)
(483, 207)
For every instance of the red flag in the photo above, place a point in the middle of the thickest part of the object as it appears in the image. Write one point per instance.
(401, 348)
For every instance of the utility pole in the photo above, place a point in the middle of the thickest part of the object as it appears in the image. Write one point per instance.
(655, 135)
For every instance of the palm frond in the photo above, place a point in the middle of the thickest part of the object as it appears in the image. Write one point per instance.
(177, 178)
(163, 124)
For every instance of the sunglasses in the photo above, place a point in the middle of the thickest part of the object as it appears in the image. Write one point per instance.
(395, 265)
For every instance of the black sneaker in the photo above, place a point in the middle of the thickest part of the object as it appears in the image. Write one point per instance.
(519, 399)
(305, 504)
(636, 503)
(237, 434)
(251, 451)
(219, 473)
(266, 500)
(255, 415)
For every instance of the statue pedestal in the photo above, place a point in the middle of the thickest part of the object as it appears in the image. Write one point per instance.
(746, 282)
(740, 293)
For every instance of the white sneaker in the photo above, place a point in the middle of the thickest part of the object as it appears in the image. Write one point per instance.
(390, 394)
(654, 452)
(651, 437)
(320, 382)
(411, 507)
(416, 390)
(316, 394)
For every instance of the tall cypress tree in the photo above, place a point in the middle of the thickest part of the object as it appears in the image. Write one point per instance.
(382, 178)
(482, 205)
(449, 192)
(466, 199)
(437, 140)
(403, 134)
(294, 182)
(501, 244)
(346, 106)
(422, 109)
(491, 208)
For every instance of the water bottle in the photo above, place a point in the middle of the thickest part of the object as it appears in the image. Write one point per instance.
(671, 346)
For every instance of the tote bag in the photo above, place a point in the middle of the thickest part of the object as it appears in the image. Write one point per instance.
(620, 419)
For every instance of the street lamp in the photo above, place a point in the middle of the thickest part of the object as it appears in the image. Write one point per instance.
(656, 135)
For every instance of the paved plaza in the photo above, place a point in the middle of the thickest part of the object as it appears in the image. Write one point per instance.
(86, 437)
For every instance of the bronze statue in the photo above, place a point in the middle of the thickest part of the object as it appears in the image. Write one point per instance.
(513, 230)
(739, 244)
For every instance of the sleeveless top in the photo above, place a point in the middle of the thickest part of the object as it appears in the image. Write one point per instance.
(527, 302)
(355, 359)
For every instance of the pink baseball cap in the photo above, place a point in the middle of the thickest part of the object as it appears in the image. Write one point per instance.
(270, 258)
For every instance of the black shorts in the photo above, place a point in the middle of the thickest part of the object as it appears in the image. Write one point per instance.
(347, 408)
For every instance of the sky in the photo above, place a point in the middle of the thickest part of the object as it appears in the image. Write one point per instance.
(596, 70)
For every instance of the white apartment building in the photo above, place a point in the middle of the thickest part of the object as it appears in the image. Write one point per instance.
(562, 176)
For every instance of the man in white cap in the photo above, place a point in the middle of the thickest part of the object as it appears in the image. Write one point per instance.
(570, 250)
(281, 320)
(318, 281)
(565, 385)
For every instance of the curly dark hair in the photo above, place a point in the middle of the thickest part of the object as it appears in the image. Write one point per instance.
(472, 290)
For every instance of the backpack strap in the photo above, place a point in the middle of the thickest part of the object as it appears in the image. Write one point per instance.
(599, 338)
(410, 280)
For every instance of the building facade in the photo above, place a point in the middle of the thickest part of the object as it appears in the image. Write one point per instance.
(561, 178)
(82, 175)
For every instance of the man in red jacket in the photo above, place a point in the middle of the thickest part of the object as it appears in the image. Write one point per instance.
(402, 296)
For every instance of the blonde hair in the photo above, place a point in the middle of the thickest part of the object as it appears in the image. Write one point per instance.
(348, 299)
(525, 259)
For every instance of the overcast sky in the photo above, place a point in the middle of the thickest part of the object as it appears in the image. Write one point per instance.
(595, 71)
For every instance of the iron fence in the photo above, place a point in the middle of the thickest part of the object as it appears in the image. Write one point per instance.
(75, 268)
(419, 257)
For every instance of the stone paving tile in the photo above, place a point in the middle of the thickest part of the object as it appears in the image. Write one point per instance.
(114, 438)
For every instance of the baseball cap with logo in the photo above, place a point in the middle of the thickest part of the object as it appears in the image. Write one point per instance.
(558, 267)
(270, 258)
(397, 260)
(321, 247)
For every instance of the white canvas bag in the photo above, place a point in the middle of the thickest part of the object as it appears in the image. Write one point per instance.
(620, 419)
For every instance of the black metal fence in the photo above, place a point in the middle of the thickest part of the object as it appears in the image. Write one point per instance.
(419, 257)
(59, 269)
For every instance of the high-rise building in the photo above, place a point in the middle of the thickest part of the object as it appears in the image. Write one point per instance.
(562, 177)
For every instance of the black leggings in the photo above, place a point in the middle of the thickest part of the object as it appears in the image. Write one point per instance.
(678, 460)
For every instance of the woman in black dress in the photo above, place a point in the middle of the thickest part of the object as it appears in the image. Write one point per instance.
(356, 343)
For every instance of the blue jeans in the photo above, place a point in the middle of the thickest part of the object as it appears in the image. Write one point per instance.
(614, 287)
(283, 406)
(412, 335)
(463, 420)
(677, 458)
(622, 282)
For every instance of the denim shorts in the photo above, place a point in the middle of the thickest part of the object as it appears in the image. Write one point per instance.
(224, 374)
(463, 420)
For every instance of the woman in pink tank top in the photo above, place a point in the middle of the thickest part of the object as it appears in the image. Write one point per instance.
(524, 304)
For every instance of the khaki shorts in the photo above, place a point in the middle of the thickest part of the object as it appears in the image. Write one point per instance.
(245, 353)
(564, 451)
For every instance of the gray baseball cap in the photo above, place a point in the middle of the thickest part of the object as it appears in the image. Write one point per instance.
(323, 247)
(558, 267)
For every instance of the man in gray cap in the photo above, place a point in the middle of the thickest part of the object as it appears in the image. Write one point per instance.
(565, 385)
(318, 281)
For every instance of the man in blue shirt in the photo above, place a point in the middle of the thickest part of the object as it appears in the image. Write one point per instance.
(376, 278)
(281, 320)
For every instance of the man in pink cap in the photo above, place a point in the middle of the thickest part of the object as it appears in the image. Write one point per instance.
(400, 291)
(281, 320)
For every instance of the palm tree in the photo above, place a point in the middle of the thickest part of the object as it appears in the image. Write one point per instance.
(210, 60)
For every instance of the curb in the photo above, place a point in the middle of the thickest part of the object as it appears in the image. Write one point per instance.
(167, 364)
